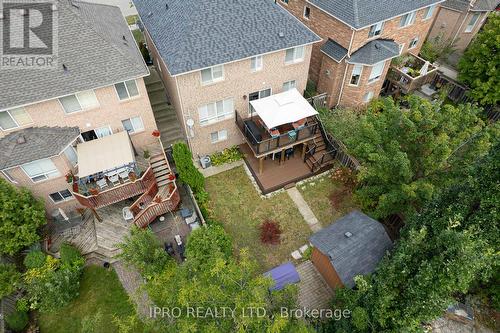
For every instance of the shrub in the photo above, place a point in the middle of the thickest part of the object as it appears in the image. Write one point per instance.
(228, 155)
(345, 176)
(70, 256)
(270, 232)
(436, 48)
(35, 259)
(188, 173)
(209, 242)
(9, 277)
(17, 320)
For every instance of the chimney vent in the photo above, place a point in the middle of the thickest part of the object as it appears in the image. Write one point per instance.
(348, 234)
(21, 139)
(281, 34)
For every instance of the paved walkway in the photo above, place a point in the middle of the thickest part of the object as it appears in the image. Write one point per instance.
(304, 209)
(213, 170)
(131, 281)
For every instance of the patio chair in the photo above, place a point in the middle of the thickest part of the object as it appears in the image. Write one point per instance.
(292, 134)
(102, 183)
(190, 219)
(124, 176)
(115, 180)
(127, 214)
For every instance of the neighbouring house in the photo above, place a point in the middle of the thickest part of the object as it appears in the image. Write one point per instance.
(75, 135)
(458, 21)
(215, 57)
(360, 37)
(353, 245)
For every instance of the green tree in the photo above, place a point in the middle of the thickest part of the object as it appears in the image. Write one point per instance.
(443, 250)
(188, 173)
(407, 153)
(20, 217)
(9, 279)
(479, 67)
(207, 241)
(142, 250)
(436, 48)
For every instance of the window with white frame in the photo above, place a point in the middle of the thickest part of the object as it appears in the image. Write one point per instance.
(81, 101)
(307, 12)
(9, 177)
(257, 95)
(413, 43)
(14, 118)
(40, 170)
(472, 22)
(289, 85)
(376, 72)
(60, 196)
(295, 54)
(218, 136)
(133, 125)
(127, 89)
(376, 29)
(368, 96)
(429, 12)
(216, 111)
(407, 19)
(212, 74)
(356, 75)
(256, 63)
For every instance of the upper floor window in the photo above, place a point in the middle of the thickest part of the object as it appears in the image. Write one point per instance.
(59, 196)
(216, 111)
(81, 101)
(127, 89)
(133, 125)
(307, 12)
(9, 177)
(356, 75)
(289, 85)
(14, 118)
(256, 63)
(285, 1)
(429, 11)
(212, 74)
(472, 22)
(295, 54)
(413, 43)
(376, 29)
(376, 72)
(40, 170)
(407, 19)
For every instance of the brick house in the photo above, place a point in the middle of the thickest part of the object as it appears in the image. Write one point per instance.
(359, 40)
(458, 21)
(215, 57)
(91, 110)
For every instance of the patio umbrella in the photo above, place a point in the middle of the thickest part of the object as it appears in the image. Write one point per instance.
(425, 68)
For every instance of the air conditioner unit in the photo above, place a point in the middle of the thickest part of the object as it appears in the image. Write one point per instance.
(205, 162)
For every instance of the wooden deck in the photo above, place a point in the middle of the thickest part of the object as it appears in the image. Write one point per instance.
(274, 175)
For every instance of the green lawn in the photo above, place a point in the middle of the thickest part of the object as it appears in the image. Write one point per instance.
(138, 36)
(239, 207)
(317, 194)
(131, 19)
(100, 290)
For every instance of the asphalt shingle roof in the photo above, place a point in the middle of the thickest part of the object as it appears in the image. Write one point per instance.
(362, 13)
(334, 50)
(90, 45)
(374, 52)
(40, 142)
(463, 5)
(355, 255)
(193, 34)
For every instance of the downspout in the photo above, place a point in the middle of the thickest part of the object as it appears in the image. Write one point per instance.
(346, 66)
(183, 115)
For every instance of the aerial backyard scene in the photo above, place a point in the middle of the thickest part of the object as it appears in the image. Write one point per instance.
(249, 166)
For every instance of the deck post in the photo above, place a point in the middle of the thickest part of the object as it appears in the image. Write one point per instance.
(261, 165)
(282, 156)
(303, 155)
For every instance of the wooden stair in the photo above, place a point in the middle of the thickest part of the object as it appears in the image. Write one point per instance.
(317, 156)
(161, 169)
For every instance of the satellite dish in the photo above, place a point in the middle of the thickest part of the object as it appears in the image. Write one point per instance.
(190, 122)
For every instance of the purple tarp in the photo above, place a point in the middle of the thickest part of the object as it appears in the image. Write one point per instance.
(283, 275)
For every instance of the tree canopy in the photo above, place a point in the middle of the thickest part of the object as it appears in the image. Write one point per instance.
(406, 153)
(21, 214)
(479, 67)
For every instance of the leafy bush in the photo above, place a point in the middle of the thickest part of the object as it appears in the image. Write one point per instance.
(188, 173)
(17, 321)
(71, 256)
(9, 277)
(228, 155)
(436, 48)
(310, 89)
(35, 259)
(270, 232)
(209, 242)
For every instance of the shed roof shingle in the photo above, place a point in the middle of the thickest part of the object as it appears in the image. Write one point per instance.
(362, 13)
(192, 34)
(91, 45)
(40, 142)
(374, 52)
(334, 50)
(355, 255)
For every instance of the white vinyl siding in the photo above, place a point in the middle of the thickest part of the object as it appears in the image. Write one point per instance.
(289, 85)
(133, 125)
(212, 74)
(126, 90)
(14, 118)
(60, 196)
(376, 29)
(472, 22)
(217, 111)
(218, 136)
(40, 170)
(356, 75)
(81, 101)
(407, 19)
(295, 54)
(376, 72)
(256, 63)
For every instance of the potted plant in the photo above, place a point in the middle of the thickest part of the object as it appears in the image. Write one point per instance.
(146, 154)
(157, 199)
(94, 191)
(171, 187)
(132, 176)
(171, 176)
(69, 177)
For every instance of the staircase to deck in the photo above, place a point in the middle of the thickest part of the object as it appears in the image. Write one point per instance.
(161, 170)
(164, 113)
(319, 155)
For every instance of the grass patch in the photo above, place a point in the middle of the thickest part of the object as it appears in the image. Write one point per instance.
(238, 206)
(100, 290)
(131, 19)
(318, 193)
(138, 36)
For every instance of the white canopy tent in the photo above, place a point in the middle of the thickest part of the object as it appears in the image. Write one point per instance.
(284, 108)
(107, 153)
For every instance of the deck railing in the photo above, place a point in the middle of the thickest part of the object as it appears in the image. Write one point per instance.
(407, 82)
(261, 147)
(117, 193)
(155, 209)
